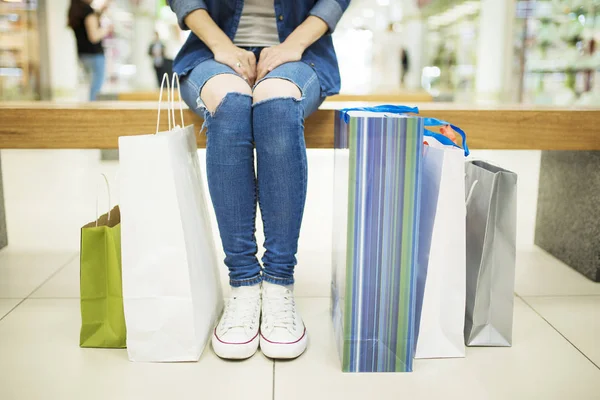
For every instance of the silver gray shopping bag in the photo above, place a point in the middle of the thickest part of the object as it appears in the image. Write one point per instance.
(491, 240)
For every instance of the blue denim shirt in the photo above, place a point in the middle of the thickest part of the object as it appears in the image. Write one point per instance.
(289, 13)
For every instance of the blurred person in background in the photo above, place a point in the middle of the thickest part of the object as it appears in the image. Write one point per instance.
(85, 22)
(405, 65)
(158, 53)
(255, 70)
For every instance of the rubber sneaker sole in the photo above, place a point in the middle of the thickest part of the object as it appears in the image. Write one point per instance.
(234, 351)
(285, 350)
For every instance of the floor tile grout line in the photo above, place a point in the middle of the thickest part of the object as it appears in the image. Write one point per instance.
(559, 332)
(12, 298)
(12, 309)
(52, 298)
(273, 386)
(70, 260)
(40, 285)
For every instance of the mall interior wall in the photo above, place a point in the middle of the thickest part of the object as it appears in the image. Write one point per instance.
(495, 51)
(62, 55)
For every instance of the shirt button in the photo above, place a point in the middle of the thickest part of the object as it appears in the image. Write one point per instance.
(312, 64)
(281, 17)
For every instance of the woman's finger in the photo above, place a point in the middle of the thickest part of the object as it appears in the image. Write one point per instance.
(265, 55)
(270, 65)
(274, 64)
(264, 52)
(262, 70)
(248, 70)
(239, 68)
(251, 61)
(251, 58)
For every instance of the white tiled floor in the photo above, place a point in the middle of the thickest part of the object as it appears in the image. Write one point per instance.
(41, 360)
(540, 274)
(69, 182)
(534, 368)
(557, 325)
(63, 285)
(22, 273)
(556, 354)
(568, 315)
(6, 305)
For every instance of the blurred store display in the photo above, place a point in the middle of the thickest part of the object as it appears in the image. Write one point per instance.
(561, 54)
(379, 47)
(19, 50)
(451, 51)
(123, 62)
(384, 47)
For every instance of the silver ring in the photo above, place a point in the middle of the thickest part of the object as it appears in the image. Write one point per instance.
(238, 64)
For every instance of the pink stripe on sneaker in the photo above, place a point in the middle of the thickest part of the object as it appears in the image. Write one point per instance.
(219, 339)
(303, 334)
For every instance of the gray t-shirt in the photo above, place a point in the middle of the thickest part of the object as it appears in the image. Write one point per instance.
(258, 26)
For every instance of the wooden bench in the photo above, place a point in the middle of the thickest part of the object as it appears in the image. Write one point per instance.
(43, 125)
(98, 125)
(393, 97)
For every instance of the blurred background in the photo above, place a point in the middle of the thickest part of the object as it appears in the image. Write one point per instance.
(493, 53)
(481, 51)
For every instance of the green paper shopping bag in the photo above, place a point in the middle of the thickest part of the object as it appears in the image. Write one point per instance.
(102, 317)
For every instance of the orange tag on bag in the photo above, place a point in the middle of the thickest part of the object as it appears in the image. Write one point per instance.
(449, 133)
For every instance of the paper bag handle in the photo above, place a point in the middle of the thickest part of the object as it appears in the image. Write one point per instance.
(109, 201)
(176, 79)
(430, 122)
(162, 84)
(445, 140)
(470, 195)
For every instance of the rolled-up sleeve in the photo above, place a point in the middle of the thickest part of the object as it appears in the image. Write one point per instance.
(182, 8)
(330, 11)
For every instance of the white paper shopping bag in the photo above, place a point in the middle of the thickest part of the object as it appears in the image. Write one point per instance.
(440, 332)
(171, 291)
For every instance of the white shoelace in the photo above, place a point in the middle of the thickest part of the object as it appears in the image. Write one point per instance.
(240, 312)
(282, 309)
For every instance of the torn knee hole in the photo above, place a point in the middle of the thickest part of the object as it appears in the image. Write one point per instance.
(276, 88)
(271, 99)
(212, 109)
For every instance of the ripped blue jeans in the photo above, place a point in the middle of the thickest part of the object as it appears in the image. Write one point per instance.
(275, 127)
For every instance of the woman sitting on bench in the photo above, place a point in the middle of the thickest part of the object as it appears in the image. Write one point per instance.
(255, 69)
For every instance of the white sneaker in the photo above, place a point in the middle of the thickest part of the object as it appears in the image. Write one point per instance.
(236, 335)
(282, 332)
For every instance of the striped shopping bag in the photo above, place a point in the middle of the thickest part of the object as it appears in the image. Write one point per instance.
(378, 155)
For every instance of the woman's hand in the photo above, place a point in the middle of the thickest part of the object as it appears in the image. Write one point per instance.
(294, 46)
(241, 61)
(273, 57)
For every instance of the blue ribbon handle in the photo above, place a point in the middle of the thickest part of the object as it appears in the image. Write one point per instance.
(445, 140)
(431, 122)
(385, 108)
